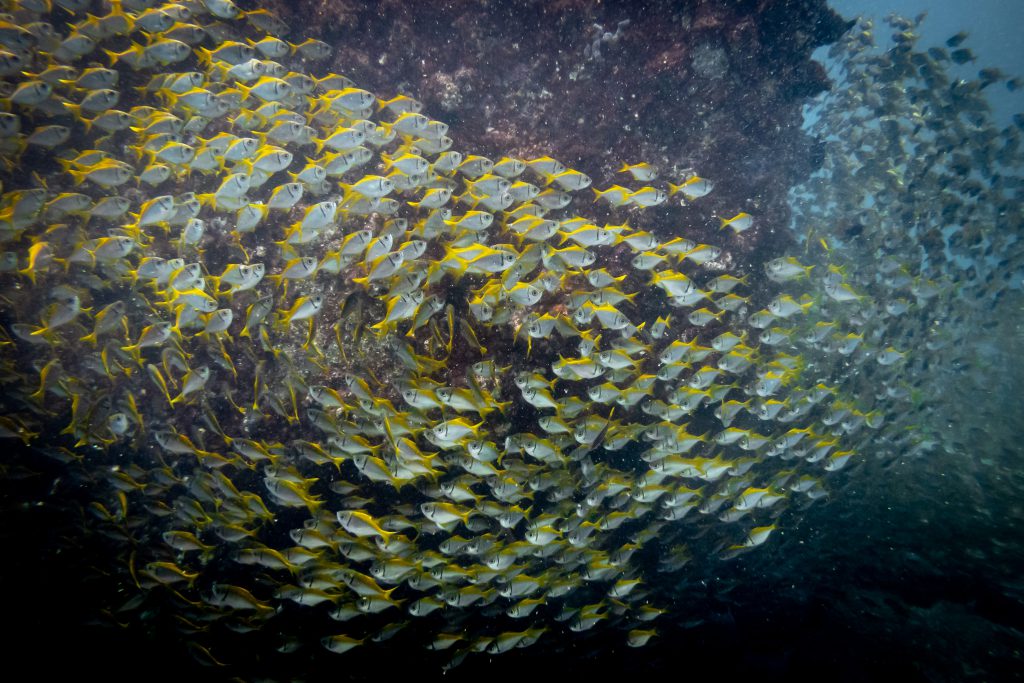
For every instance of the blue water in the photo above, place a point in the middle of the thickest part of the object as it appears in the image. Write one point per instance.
(994, 36)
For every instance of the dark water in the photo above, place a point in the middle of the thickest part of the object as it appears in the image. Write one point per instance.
(924, 587)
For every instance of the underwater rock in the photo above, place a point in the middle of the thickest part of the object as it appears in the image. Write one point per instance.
(527, 86)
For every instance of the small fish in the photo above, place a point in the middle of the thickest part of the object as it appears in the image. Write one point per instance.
(741, 222)
(786, 268)
(305, 307)
(640, 637)
(693, 187)
(962, 56)
(956, 39)
(570, 180)
(616, 195)
(647, 197)
(193, 382)
(643, 171)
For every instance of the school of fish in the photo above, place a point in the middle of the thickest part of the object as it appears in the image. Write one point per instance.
(316, 364)
(920, 196)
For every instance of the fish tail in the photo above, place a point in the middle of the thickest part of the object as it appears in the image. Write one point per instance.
(112, 56)
(205, 57)
(76, 110)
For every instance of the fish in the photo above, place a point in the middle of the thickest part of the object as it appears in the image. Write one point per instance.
(693, 187)
(784, 269)
(741, 222)
(305, 307)
(957, 39)
(672, 398)
(643, 171)
(647, 197)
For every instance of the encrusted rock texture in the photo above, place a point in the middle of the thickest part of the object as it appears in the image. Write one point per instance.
(712, 86)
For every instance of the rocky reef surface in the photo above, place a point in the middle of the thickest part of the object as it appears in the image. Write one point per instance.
(712, 86)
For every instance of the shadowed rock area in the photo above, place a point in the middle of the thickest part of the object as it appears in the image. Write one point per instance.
(712, 86)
